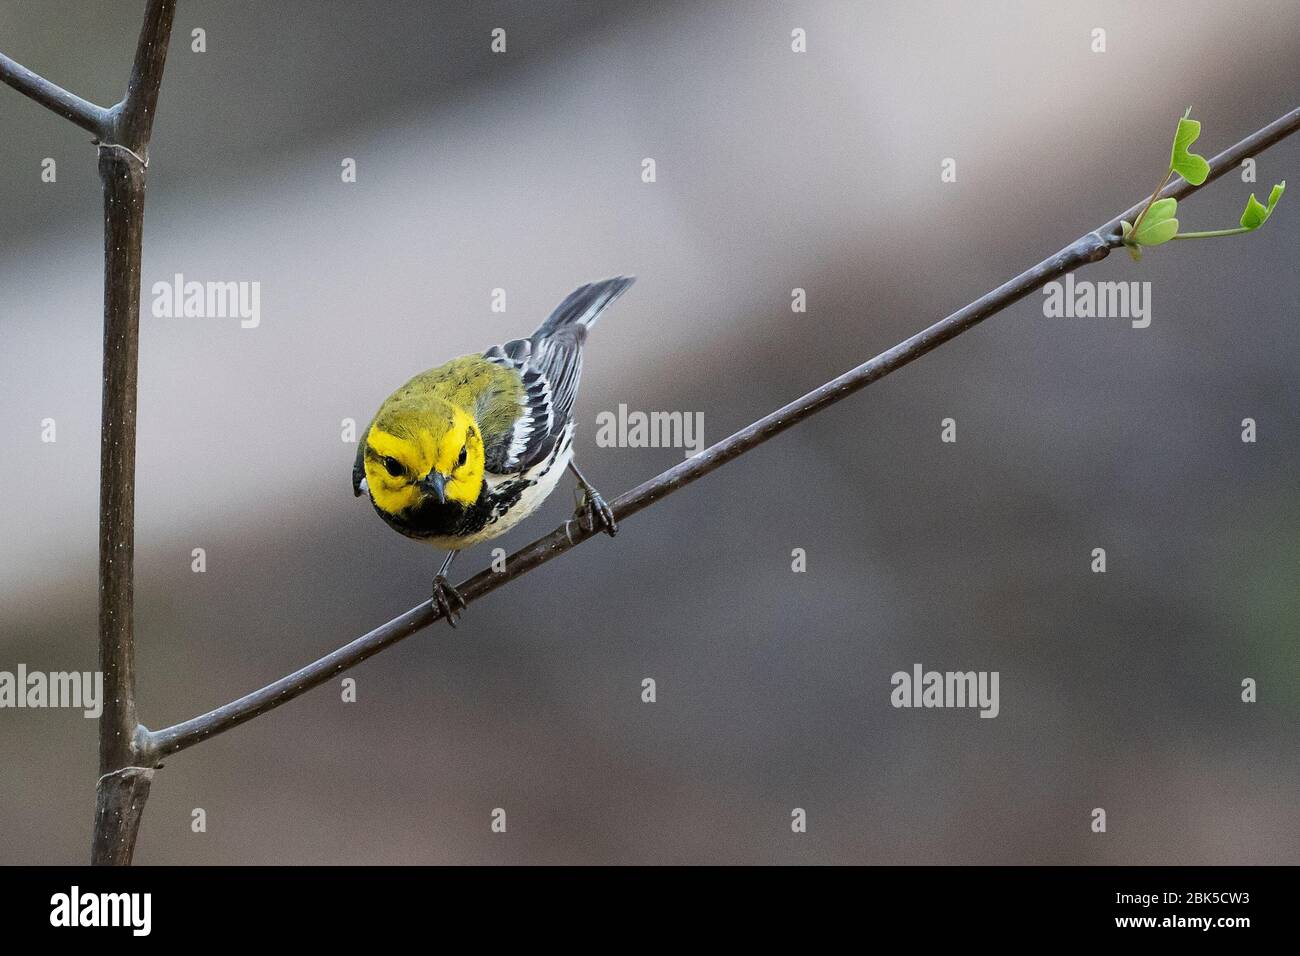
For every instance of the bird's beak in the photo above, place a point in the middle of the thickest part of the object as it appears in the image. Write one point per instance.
(435, 483)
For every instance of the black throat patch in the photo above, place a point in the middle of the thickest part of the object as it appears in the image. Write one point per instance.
(433, 519)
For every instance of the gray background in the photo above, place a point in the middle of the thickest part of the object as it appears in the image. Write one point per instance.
(775, 170)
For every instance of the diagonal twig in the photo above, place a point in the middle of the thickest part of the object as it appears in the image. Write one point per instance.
(85, 114)
(1092, 247)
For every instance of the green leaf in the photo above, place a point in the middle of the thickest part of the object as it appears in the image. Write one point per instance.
(1160, 210)
(1158, 225)
(1256, 214)
(1154, 234)
(1190, 166)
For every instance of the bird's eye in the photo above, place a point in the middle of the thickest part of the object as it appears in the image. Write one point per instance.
(463, 454)
(394, 467)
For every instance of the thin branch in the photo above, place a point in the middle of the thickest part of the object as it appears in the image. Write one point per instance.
(124, 781)
(1091, 247)
(85, 114)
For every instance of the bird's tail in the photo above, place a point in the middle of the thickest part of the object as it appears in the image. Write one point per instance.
(584, 305)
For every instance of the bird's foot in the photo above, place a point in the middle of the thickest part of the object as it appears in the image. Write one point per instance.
(593, 512)
(446, 598)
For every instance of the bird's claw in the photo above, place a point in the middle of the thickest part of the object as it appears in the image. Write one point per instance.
(594, 513)
(445, 599)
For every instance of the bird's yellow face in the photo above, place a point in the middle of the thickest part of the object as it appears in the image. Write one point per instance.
(413, 458)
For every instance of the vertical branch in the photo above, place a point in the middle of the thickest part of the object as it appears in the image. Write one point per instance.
(134, 115)
(120, 794)
(123, 785)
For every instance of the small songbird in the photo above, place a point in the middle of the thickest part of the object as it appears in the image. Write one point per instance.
(465, 451)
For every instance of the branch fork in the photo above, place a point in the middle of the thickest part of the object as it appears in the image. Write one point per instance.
(122, 134)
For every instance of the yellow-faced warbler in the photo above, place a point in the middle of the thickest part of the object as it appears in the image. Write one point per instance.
(465, 451)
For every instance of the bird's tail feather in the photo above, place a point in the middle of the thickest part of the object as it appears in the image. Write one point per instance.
(584, 305)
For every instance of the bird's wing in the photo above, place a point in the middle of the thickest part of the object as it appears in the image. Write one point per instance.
(557, 356)
(548, 366)
(516, 444)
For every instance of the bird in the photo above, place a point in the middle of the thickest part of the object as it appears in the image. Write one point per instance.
(463, 452)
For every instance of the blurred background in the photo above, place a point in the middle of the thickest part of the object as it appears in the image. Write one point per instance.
(774, 170)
